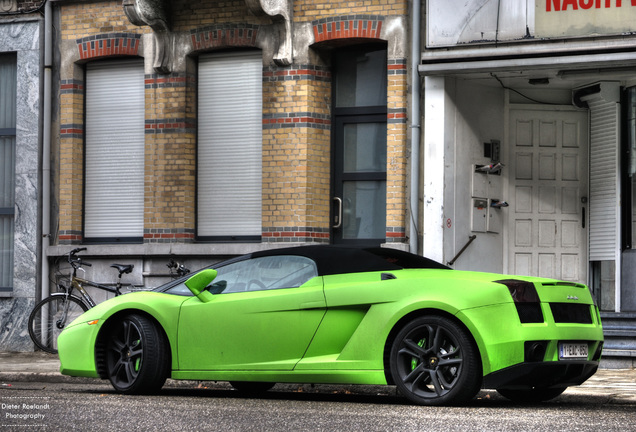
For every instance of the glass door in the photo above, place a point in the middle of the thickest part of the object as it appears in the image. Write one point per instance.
(360, 131)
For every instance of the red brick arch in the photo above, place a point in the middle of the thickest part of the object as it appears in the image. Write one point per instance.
(224, 35)
(357, 26)
(109, 44)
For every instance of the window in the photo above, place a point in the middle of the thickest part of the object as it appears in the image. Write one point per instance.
(8, 80)
(114, 167)
(257, 274)
(229, 179)
(266, 273)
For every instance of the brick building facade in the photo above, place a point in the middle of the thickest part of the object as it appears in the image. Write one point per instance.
(298, 45)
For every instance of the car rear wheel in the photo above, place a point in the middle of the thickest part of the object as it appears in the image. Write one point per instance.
(434, 361)
(137, 356)
(532, 395)
(252, 387)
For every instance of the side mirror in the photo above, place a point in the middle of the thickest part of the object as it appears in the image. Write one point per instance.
(197, 284)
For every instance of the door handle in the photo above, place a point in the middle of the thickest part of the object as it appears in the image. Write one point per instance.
(583, 201)
(583, 217)
(338, 219)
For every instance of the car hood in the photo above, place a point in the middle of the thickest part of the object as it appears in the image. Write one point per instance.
(154, 303)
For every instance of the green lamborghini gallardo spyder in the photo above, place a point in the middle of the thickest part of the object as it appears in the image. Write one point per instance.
(326, 314)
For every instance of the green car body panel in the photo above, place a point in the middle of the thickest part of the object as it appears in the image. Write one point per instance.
(77, 357)
(335, 328)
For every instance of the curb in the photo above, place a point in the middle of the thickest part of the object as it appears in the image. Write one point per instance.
(58, 378)
(46, 377)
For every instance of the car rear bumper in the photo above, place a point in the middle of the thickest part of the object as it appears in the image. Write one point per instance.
(541, 375)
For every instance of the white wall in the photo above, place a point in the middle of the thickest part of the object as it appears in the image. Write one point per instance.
(461, 116)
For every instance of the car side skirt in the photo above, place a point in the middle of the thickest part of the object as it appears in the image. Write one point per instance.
(375, 377)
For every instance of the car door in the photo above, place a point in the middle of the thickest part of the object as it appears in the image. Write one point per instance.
(264, 316)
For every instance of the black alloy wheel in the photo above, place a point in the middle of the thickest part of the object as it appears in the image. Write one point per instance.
(137, 356)
(434, 361)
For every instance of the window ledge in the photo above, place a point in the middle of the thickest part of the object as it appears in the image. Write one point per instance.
(167, 249)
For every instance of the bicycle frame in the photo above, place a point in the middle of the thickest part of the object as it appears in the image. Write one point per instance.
(78, 284)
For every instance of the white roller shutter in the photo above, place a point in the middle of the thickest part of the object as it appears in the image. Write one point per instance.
(230, 145)
(114, 170)
(604, 178)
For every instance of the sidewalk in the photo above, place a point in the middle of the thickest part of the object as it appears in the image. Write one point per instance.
(619, 384)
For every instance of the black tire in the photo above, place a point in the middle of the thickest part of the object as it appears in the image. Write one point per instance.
(531, 395)
(434, 361)
(47, 319)
(137, 355)
(252, 387)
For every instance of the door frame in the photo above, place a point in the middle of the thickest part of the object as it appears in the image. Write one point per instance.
(507, 158)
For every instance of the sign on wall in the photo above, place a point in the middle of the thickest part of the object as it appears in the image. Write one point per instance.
(566, 18)
(459, 22)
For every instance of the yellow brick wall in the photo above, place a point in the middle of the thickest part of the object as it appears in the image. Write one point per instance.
(296, 155)
(296, 125)
(71, 153)
(170, 164)
(309, 10)
(92, 18)
(187, 15)
(396, 199)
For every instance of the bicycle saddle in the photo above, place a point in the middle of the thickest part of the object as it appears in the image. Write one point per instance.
(123, 268)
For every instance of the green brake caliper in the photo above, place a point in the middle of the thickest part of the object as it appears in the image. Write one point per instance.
(414, 360)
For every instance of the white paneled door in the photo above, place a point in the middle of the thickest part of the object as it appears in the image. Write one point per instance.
(548, 189)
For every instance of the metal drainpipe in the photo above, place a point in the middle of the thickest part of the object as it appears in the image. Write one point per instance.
(46, 146)
(415, 126)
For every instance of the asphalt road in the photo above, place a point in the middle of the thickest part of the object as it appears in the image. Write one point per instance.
(96, 407)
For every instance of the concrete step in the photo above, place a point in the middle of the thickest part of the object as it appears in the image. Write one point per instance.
(619, 329)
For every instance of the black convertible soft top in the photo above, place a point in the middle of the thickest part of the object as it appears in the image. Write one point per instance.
(332, 260)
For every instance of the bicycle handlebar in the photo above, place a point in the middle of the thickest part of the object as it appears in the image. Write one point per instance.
(77, 261)
(178, 268)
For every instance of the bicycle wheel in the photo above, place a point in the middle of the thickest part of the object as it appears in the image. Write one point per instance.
(49, 317)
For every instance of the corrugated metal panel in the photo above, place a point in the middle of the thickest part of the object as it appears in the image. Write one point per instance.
(604, 176)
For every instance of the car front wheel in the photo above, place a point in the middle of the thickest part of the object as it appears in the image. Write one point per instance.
(434, 361)
(137, 356)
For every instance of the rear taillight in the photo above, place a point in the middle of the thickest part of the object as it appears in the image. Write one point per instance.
(526, 300)
(521, 291)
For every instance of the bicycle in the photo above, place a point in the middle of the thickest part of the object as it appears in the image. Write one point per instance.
(51, 315)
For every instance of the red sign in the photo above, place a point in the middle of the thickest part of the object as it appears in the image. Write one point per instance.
(564, 5)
